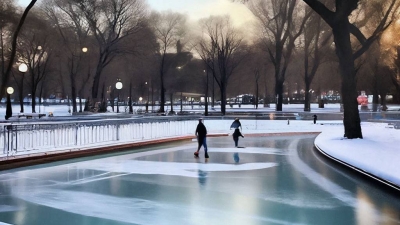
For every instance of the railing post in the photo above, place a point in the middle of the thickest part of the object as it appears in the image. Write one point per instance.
(117, 132)
(76, 134)
(4, 137)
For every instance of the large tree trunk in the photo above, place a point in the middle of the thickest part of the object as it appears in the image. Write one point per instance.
(375, 101)
(383, 102)
(162, 95)
(171, 96)
(223, 98)
(256, 100)
(351, 119)
(73, 93)
(206, 99)
(279, 93)
(96, 83)
(34, 101)
(307, 97)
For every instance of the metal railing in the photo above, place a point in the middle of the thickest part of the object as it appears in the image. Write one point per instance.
(27, 138)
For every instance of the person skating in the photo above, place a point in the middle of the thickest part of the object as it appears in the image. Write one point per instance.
(236, 124)
(236, 136)
(201, 133)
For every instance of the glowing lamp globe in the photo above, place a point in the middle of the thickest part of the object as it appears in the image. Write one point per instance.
(10, 90)
(118, 85)
(23, 68)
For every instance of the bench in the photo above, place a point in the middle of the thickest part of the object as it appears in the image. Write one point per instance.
(31, 115)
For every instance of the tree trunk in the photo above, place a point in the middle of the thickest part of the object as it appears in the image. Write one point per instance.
(80, 103)
(256, 100)
(162, 93)
(130, 99)
(96, 83)
(223, 98)
(351, 119)
(307, 107)
(73, 98)
(375, 101)
(171, 102)
(112, 98)
(33, 102)
(279, 93)
(206, 95)
(383, 102)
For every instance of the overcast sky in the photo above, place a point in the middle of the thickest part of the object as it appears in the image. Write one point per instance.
(196, 9)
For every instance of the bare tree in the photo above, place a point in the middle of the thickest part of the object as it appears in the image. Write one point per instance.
(281, 23)
(168, 28)
(316, 43)
(73, 31)
(396, 76)
(35, 50)
(6, 75)
(222, 49)
(111, 22)
(257, 65)
(8, 20)
(339, 21)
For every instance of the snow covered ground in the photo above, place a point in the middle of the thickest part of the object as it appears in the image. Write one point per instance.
(378, 153)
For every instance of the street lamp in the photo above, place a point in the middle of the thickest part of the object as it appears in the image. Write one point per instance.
(84, 49)
(22, 68)
(118, 86)
(10, 90)
(148, 97)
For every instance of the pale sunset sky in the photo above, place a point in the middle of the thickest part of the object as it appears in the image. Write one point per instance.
(196, 9)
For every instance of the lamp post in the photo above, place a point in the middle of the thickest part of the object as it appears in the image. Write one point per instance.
(130, 98)
(22, 68)
(148, 97)
(10, 90)
(118, 86)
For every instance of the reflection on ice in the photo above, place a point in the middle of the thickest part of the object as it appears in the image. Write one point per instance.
(8, 208)
(138, 211)
(169, 168)
(301, 201)
(251, 150)
(338, 192)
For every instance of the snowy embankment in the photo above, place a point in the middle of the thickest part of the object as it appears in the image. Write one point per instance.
(377, 154)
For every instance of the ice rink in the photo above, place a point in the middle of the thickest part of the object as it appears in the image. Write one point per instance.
(273, 180)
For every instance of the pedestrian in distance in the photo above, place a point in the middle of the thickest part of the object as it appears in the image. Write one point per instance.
(201, 134)
(315, 119)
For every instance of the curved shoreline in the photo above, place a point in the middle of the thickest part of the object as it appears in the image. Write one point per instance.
(365, 173)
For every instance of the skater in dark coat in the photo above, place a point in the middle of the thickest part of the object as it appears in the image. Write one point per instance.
(236, 124)
(201, 133)
(236, 136)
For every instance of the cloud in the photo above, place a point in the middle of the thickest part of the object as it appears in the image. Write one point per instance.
(197, 9)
